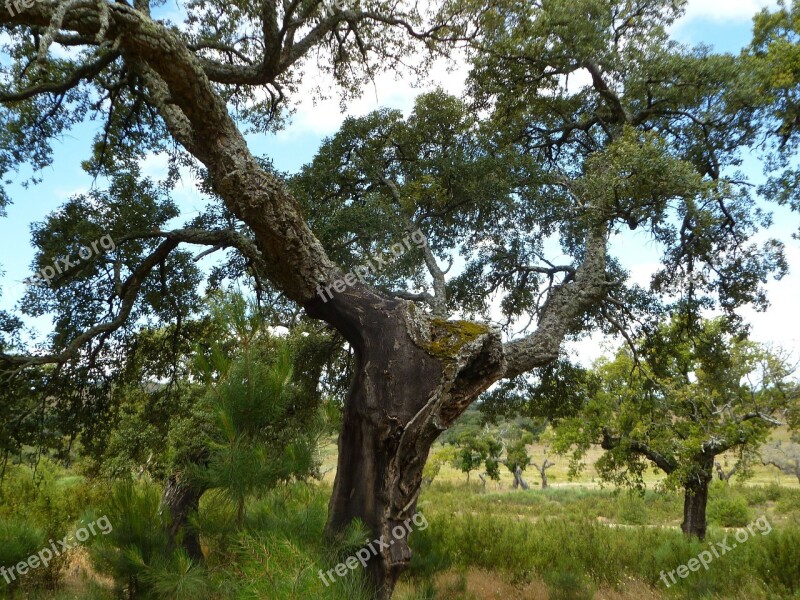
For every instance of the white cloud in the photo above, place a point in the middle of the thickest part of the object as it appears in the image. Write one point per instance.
(324, 116)
(725, 10)
(779, 323)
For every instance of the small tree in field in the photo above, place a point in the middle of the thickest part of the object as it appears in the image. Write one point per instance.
(517, 460)
(698, 392)
(475, 451)
(783, 455)
(542, 468)
(468, 459)
(256, 426)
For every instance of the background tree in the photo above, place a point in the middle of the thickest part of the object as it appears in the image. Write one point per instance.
(726, 475)
(783, 455)
(476, 450)
(517, 460)
(542, 467)
(468, 458)
(697, 393)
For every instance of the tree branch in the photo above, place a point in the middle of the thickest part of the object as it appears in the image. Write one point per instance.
(665, 463)
(86, 72)
(564, 305)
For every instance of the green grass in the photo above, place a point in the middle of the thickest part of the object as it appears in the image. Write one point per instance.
(573, 541)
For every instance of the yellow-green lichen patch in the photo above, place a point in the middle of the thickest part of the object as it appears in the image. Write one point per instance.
(448, 337)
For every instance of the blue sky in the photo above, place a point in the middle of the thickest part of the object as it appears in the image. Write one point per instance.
(724, 24)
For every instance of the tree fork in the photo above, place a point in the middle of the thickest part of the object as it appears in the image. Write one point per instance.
(414, 376)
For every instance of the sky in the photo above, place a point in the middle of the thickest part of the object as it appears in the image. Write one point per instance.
(723, 24)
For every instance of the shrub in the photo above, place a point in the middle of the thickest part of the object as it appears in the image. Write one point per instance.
(18, 540)
(780, 562)
(631, 509)
(729, 511)
(569, 584)
(136, 551)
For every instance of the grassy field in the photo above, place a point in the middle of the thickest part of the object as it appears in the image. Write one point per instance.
(573, 541)
(558, 476)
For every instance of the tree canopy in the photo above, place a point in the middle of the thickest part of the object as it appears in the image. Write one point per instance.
(582, 122)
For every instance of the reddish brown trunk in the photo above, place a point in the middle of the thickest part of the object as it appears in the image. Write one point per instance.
(696, 499)
(414, 376)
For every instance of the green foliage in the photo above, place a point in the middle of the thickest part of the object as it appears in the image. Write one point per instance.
(435, 461)
(45, 504)
(728, 510)
(138, 542)
(177, 577)
(262, 428)
(517, 455)
(569, 584)
(279, 554)
(697, 392)
(19, 539)
(475, 451)
(631, 509)
(781, 562)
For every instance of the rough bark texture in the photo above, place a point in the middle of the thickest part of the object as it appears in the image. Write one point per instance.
(181, 500)
(518, 480)
(414, 376)
(695, 500)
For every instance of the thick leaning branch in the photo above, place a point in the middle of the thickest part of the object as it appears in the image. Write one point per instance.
(665, 463)
(563, 307)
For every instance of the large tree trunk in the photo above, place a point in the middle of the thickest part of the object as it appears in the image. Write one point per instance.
(414, 376)
(695, 500)
(182, 499)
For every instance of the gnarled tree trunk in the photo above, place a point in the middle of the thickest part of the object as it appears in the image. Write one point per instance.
(695, 499)
(181, 499)
(414, 376)
(518, 480)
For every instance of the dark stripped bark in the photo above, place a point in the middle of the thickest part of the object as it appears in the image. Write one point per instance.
(695, 499)
(181, 500)
(414, 377)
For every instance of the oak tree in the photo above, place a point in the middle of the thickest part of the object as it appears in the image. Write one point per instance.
(697, 392)
(652, 142)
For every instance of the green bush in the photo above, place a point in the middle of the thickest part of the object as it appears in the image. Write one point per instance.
(631, 509)
(779, 563)
(569, 584)
(136, 551)
(19, 540)
(731, 511)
